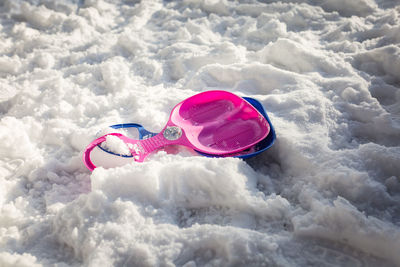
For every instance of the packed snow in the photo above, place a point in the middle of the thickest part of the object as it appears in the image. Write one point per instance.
(326, 194)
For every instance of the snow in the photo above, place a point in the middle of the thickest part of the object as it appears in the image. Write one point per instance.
(115, 145)
(326, 194)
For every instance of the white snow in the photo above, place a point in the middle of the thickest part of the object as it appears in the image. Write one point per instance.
(115, 145)
(326, 194)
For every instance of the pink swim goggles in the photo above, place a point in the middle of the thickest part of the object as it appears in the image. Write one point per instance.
(213, 122)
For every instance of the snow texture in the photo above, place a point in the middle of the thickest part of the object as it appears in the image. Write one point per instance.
(326, 194)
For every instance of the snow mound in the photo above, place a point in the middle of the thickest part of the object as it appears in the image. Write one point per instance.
(327, 193)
